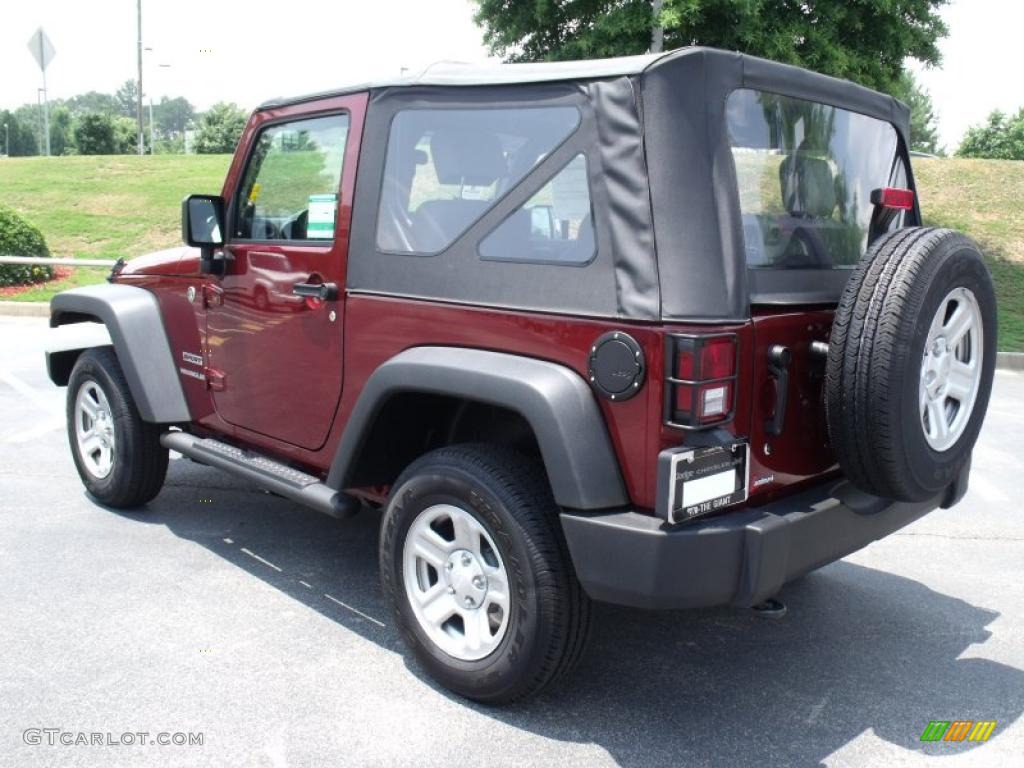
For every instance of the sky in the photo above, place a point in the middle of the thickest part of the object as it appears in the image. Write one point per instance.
(245, 51)
(248, 51)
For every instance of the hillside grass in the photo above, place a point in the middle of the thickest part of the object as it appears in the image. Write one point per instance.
(985, 199)
(105, 207)
(122, 206)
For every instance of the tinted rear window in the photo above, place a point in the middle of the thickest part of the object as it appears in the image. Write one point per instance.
(805, 173)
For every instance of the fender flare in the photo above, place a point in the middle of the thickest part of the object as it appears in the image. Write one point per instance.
(133, 319)
(557, 403)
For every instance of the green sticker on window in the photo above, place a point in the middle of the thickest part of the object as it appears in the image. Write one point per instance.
(320, 225)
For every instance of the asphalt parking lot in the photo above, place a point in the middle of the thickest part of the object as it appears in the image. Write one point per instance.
(224, 611)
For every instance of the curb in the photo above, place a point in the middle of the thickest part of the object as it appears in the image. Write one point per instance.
(25, 308)
(1010, 361)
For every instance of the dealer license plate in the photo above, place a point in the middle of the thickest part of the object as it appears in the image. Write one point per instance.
(704, 480)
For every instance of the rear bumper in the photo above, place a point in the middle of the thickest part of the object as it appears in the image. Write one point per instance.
(740, 558)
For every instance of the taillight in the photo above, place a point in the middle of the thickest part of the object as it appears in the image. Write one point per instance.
(700, 380)
(893, 197)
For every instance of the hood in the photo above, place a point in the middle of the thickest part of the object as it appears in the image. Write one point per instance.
(181, 260)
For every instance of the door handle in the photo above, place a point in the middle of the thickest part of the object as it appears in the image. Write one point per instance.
(321, 291)
(779, 358)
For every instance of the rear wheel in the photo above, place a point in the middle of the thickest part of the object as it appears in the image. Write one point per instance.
(473, 562)
(910, 363)
(117, 454)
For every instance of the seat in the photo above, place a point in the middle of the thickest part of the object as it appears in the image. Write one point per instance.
(464, 158)
(808, 186)
(436, 223)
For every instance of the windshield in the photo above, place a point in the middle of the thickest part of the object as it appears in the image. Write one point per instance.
(805, 172)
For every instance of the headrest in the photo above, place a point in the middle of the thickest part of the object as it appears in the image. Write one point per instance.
(467, 157)
(808, 186)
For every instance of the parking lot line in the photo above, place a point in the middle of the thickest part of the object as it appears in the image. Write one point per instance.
(356, 611)
(28, 392)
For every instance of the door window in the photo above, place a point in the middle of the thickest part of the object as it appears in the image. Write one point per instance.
(290, 188)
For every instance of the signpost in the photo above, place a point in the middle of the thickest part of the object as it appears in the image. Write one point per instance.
(43, 52)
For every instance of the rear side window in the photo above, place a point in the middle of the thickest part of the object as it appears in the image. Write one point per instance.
(552, 227)
(805, 173)
(290, 187)
(446, 167)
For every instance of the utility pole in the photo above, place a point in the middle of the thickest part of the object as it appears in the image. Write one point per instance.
(7, 141)
(657, 32)
(138, 95)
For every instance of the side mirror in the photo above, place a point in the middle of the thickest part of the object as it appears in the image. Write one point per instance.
(202, 225)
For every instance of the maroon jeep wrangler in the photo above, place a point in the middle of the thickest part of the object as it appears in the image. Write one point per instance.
(664, 331)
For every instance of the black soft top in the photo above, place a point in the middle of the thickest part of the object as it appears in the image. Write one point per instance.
(664, 182)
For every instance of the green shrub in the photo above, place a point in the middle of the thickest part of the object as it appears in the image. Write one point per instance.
(19, 238)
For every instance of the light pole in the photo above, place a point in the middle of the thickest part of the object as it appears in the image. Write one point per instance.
(138, 96)
(152, 138)
(657, 32)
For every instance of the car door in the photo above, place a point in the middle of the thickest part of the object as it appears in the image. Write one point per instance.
(274, 362)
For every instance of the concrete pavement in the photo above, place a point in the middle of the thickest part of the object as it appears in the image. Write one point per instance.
(224, 611)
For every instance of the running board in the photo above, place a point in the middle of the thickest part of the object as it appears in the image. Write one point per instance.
(266, 473)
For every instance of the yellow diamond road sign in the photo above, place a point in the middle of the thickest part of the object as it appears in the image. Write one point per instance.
(42, 49)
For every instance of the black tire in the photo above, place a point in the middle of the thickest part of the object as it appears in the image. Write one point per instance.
(549, 619)
(139, 461)
(874, 367)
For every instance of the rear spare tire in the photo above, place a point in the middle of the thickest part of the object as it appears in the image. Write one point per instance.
(910, 363)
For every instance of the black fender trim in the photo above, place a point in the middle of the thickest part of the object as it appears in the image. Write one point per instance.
(555, 401)
(132, 317)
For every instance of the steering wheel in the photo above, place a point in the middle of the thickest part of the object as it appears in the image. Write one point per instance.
(265, 229)
(806, 250)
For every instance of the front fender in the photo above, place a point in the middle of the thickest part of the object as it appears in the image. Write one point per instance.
(554, 400)
(132, 317)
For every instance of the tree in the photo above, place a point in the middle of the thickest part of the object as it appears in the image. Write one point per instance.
(126, 136)
(924, 128)
(126, 99)
(22, 137)
(93, 101)
(862, 41)
(62, 140)
(172, 115)
(94, 134)
(31, 119)
(220, 129)
(1001, 137)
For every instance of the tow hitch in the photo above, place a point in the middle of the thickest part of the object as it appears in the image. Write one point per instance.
(772, 608)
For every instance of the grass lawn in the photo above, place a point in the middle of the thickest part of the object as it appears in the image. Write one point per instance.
(107, 207)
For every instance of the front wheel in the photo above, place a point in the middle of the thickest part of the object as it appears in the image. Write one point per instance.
(473, 562)
(117, 454)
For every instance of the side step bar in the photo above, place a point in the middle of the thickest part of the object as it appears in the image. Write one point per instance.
(263, 472)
